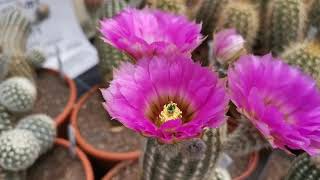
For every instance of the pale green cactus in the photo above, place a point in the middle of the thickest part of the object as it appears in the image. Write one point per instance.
(35, 58)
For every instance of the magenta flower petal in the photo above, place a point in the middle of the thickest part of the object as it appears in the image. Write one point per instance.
(144, 33)
(227, 44)
(281, 101)
(168, 98)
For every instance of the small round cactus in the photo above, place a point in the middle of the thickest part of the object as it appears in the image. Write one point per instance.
(18, 94)
(35, 58)
(42, 127)
(18, 149)
(6, 119)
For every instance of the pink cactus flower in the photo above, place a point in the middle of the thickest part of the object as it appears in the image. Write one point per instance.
(281, 101)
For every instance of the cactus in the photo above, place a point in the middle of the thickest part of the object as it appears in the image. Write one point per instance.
(286, 22)
(175, 6)
(244, 139)
(17, 94)
(42, 127)
(306, 56)
(35, 58)
(304, 167)
(14, 30)
(314, 15)
(18, 150)
(242, 16)
(10, 175)
(221, 174)
(6, 119)
(209, 13)
(168, 162)
(4, 62)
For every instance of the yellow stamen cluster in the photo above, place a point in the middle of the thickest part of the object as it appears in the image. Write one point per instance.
(170, 112)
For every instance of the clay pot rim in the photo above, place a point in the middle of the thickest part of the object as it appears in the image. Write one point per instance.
(81, 155)
(62, 117)
(88, 148)
(253, 161)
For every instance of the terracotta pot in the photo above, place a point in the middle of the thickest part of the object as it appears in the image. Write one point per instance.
(82, 157)
(100, 155)
(61, 120)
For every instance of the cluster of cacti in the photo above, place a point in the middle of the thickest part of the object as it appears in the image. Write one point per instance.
(244, 139)
(244, 17)
(304, 167)
(20, 147)
(286, 23)
(175, 6)
(167, 163)
(305, 55)
(209, 14)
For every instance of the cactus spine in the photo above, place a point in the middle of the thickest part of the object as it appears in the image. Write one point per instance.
(242, 16)
(14, 30)
(109, 56)
(244, 139)
(177, 165)
(175, 6)
(304, 167)
(18, 150)
(17, 94)
(209, 13)
(286, 21)
(306, 56)
(42, 127)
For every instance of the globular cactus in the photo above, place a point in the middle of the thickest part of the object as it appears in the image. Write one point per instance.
(15, 29)
(175, 6)
(286, 23)
(242, 16)
(4, 65)
(244, 139)
(18, 150)
(304, 167)
(109, 57)
(17, 94)
(306, 56)
(165, 163)
(42, 127)
(35, 58)
(6, 120)
(209, 14)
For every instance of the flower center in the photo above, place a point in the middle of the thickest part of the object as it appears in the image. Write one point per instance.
(170, 112)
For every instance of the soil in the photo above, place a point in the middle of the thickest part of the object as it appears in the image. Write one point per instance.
(239, 165)
(53, 94)
(277, 166)
(129, 172)
(57, 164)
(96, 126)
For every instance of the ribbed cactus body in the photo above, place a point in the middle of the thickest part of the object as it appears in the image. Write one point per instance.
(110, 8)
(175, 6)
(14, 30)
(209, 14)
(176, 165)
(35, 58)
(6, 120)
(286, 23)
(4, 65)
(244, 139)
(304, 168)
(305, 56)
(18, 94)
(42, 127)
(242, 16)
(18, 150)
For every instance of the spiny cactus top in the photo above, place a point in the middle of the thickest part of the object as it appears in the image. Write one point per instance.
(228, 45)
(146, 32)
(281, 101)
(170, 99)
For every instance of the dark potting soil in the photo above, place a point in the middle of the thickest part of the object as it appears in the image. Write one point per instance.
(57, 164)
(53, 94)
(277, 166)
(239, 165)
(129, 172)
(103, 133)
